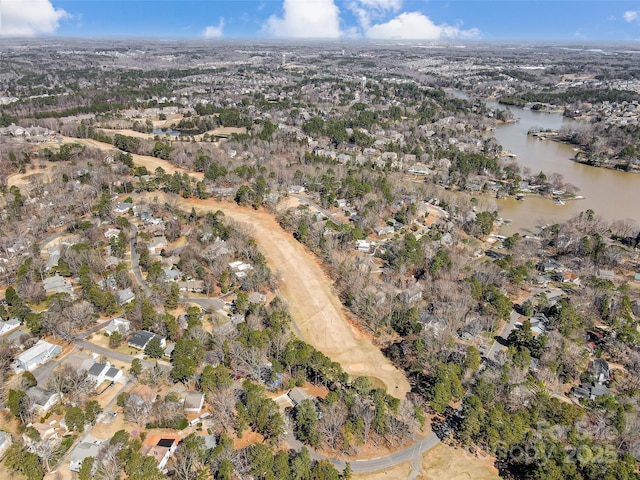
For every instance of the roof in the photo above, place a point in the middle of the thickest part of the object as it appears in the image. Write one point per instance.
(40, 396)
(141, 338)
(124, 296)
(165, 442)
(297, 395)
(97, 368)
(193, 401)
(112, 372)
(39, 349)
(84, 450)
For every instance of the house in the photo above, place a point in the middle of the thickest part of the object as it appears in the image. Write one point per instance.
(43, 400)
(193, 402)
(39, 354)
(82, 451)
(46, 431)
(196, 286)
(384, 230)
(123, 207)
(57, 284)
(363, 245)
(171, 275)
(125, 296)
(549, 265)
(99, 372)
(297, 395)
(240, 268)
(140, 339)
(570, 277)
(590, 391)
(411, 294)
(157, 244)
(111, 232)
(539, 323)
(119, 325)
(636, 277)
(217, 249)
(296, 189)
(9, 325)
(419, 169)
(162, 451)
(257, 297)
(606, 275)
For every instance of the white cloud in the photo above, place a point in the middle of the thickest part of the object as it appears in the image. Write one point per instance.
(214, 31)
(630, 15)
(306, 19)
(368, 10)
(417, 26)
(29, 17)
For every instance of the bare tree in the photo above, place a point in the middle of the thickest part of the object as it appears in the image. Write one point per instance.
(108, 462)
(47, 450)
(223, 403)
(333, 417)
(364, 409)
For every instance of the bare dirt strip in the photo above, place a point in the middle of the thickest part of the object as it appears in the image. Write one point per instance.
(315, 308)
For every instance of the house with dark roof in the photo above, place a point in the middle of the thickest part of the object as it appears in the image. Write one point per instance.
(162, 451)
(140, 339)
(590, 390)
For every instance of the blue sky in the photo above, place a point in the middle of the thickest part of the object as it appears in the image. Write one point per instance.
(571, 20)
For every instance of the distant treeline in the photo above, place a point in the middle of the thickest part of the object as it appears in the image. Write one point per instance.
(592, 95)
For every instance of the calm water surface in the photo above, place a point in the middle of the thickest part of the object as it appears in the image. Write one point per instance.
(615, 195)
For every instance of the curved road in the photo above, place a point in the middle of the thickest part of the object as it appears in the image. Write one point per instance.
(406, 454)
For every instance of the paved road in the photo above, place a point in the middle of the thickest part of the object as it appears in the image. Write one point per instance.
(135, 262)
(416, 450)
(501, 340)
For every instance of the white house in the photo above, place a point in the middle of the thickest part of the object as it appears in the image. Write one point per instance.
(40, 353)
(99, 372)
(363, 245)
(123, 207)
(9, 325)
(125, 296)
(57, 284)
(43, 400)
(193, 402)
(119, 325)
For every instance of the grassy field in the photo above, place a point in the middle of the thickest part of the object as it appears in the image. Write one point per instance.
(456, 464)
